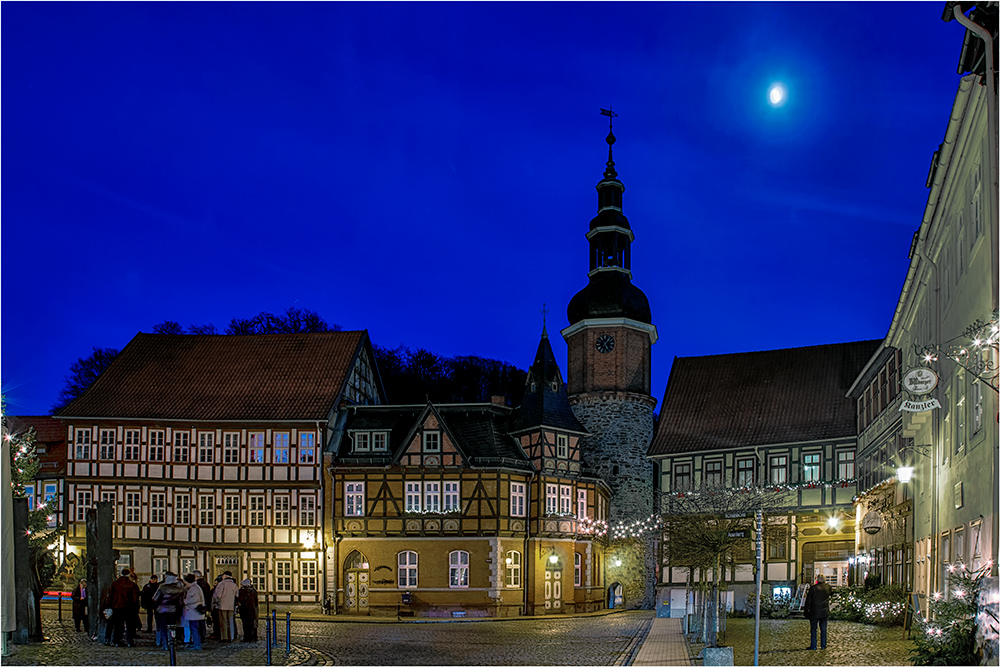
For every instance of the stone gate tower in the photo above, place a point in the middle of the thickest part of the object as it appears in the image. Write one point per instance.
(609, 337)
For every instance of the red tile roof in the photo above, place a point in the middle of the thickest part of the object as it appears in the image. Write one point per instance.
(756, 398)
(272, 377)
(50, 441)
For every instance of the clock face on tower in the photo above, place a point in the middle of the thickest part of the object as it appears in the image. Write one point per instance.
(605, 343)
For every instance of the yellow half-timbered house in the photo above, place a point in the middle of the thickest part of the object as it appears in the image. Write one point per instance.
(466, 509)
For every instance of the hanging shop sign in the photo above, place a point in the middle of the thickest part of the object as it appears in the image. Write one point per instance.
(872, 523)
(920, 381)
(919, 406)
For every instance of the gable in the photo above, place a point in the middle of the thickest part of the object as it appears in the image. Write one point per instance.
(430, 444)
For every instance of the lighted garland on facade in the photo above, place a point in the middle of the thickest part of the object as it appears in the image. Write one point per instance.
(872, 489)
(772, 488)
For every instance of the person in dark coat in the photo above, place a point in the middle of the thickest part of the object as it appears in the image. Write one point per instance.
(817, 610)
(124, 602)
(79, 598)
(169, 603)
(247, 606)
(146, 600)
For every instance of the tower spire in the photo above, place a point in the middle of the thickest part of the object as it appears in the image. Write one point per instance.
(610, 171)
(543, 311)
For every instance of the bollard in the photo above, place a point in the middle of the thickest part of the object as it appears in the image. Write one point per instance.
(267, 629)
(288, 632)
(171, 636)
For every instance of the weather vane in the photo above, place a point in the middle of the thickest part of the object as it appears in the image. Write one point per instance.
(611, 116)
(610, 171)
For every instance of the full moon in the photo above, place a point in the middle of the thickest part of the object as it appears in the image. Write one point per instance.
(776, 95)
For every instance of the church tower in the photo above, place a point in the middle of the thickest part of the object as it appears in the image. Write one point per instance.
(609, 337)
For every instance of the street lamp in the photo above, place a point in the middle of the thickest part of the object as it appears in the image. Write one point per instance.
(904, 474)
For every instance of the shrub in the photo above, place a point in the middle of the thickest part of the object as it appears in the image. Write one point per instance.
(847, 604)
(885, 606)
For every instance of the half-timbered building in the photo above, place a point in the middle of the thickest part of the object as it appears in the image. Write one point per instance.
(469, 509)
(210, 450)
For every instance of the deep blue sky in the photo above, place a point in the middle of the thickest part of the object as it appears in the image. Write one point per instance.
(427, 171)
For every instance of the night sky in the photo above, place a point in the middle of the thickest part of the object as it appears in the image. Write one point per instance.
(427, 171)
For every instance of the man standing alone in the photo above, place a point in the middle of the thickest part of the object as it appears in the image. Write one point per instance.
(817, 610)
(224, 599)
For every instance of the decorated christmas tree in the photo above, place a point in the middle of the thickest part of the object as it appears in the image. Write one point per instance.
(948, 635)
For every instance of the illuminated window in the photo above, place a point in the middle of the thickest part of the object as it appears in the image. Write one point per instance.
(187, 565)
(354, 498)
(513, 571)
(458, 571)
(156, 445)
(182, 445)
(280, 448)
(131, 445)
(307, 447)
(845, 465)
(565, 499)
(810, 467)
(256, 442)
(516, 499)
(206, 448)
(432, 497)
(779, 469)
(581, 503)
(407, 569)
(551, 498)
(413, 496)
(451, 496)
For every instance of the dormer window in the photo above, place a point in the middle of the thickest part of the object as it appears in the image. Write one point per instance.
(380, 441)
(362, 442)
(562, 446)
(432, 441)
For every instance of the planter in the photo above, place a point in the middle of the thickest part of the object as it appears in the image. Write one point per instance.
(717, 655)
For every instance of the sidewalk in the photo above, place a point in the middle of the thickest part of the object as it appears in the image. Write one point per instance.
(664, 645)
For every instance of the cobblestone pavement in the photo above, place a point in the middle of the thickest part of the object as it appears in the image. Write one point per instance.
(592, 640)
(785, 642)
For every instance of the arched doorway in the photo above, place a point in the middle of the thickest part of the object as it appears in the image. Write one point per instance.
(356, 576)
(616, 596)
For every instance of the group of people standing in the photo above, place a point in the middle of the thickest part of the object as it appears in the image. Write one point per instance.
(182, 602)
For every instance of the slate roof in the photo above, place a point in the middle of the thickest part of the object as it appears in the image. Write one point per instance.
(756, 398)
(481, 430)
(273, 377)
(545, 406)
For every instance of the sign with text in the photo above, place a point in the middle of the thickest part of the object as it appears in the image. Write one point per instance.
(920, 381)
(919, 406)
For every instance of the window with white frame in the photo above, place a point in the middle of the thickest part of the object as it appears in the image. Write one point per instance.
(307, 510)
(108, 497)
(107, 444)
(551, 498)
(354, 498)
(681, 477)
(206, 448)
(206, 510)
(432, 441)
(562, 446)
(258, 574)
(49, 495)
(132, 505)
(362, 441)
(157, 509)
(406, 563)
(977, 406)
(432, 496)
(82, 444)
(307, 576)
(713, 473)
(131, 445)
(413, 496)
(230, 447)
(282, 511)
(744, 472)
(307, 448)
(516, 499)
(960, 412)
(380, 441)
(231, 505)
(283, 576)
(458, 569)
(845, 464)
(779, 469)
(84, 499)
(451, 496)
(577, 569)
(256, 510)
(187, 565)
(810, 467)
(959, 545)
(581, 503)
(160, 566)
(182, 446)
(156, 445)
(280, 448)
(512, 577)
(565, 499)
(255, 442)
(182, 509)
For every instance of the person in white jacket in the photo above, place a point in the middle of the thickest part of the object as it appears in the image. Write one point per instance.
(194, 611)
(224, 599)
